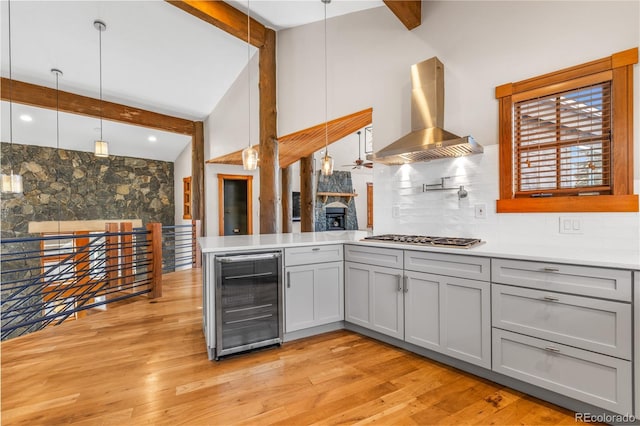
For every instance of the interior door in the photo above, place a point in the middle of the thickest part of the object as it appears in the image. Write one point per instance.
(235, 204)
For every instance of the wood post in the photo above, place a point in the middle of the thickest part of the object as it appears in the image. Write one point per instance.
(197, 172)
(112, 263)
(287, 202)
(268, 136)
(196, 230)
(307, 206)
(155, 258)
(126, 250)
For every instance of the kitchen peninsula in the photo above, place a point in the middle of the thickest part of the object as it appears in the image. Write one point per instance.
(553, 323)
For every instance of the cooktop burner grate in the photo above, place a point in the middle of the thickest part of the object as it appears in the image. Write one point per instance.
(424, 240)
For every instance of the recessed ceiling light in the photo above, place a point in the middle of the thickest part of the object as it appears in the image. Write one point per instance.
(27, 118)
(152, 139)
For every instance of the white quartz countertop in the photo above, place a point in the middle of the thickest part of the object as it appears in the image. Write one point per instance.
(622, 259)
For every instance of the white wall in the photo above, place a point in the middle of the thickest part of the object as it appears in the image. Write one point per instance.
(181, 169)
(482, 45)
(226, 130)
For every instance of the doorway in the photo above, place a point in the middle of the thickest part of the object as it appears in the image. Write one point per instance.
(235, 206)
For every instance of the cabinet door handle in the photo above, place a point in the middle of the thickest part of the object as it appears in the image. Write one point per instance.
(550, 299)
(315, 249)
(399, 282)
(288, 279)
(552, 349)
(406, 283)
(549, 269)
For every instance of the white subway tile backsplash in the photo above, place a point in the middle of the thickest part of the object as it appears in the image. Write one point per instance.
(442, 213)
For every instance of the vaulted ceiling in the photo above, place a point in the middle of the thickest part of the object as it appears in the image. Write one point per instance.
(154, 57)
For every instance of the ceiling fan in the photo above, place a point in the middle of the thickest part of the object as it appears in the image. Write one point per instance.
(359, 163)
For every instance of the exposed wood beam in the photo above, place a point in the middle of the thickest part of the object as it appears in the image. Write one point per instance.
(287, 199)
(303, 143)
(409, 12)
(268, 136)
(45, 97)
(225, 17)
(307, 198)
(197, 174)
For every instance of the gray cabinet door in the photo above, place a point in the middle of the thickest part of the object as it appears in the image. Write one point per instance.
(423, 318)
(601, 380)
(299, 298)
(449, 315)
(314, 295)
(374, 298)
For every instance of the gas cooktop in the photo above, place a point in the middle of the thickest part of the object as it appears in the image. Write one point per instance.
(423, 240)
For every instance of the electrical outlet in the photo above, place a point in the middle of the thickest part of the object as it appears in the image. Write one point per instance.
(570, 225)
(395, 211)
(481, 211)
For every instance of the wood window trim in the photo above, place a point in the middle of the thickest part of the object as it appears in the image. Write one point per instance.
(186, 198)
(619, 68)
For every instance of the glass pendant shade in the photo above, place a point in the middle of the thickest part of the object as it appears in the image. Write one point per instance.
(250, 158)
(101, 149)
(327, 165)
(12, 184)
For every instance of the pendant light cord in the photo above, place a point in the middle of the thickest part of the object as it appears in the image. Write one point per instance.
(57, 73)
(326, 87)
(248, 70)
(10, 94)
(100, 72)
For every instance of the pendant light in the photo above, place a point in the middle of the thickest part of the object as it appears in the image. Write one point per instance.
(327, 161)
(101, 147)
(11, 183)
(249, 154)
(58, 74)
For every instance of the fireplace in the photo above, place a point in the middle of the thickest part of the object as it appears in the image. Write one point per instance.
(335, 218)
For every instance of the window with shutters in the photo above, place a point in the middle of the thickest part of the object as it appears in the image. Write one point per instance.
(566, 139)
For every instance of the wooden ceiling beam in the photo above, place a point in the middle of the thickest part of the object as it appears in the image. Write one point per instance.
(409, 12)
(303, 143)
(45, 97)
(225, 17)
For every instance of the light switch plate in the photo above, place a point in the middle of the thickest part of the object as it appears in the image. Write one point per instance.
(570, 225)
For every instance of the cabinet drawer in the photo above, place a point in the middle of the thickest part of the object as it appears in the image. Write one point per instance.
(592, 324)
(391, 258)
(312, 254)
(596, 379)
(580, 280)
(453, 265)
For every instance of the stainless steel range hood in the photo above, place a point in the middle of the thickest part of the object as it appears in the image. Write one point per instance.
(427, 140)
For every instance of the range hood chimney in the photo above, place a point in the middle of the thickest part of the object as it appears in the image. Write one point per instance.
(427, 140)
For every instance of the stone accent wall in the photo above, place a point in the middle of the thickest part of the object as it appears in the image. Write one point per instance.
(339, 181)
(74, 185)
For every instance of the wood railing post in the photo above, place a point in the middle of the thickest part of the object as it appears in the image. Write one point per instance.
(126, 250)
(196, 231)
(155, 257)
(112, 263)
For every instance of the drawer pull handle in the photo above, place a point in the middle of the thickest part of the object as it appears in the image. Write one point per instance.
(552, 349)
(549, 269)
(550, 298)
(406, 284)
(315, 249)
(288, 279)
(399, 282)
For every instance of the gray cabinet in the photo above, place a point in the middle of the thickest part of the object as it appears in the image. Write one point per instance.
(449, 315)
(565, 328)
(314, 291)
(374, 298)
(593, 324)
(597, 379)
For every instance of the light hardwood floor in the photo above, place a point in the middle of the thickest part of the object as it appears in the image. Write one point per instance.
(145, 363)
